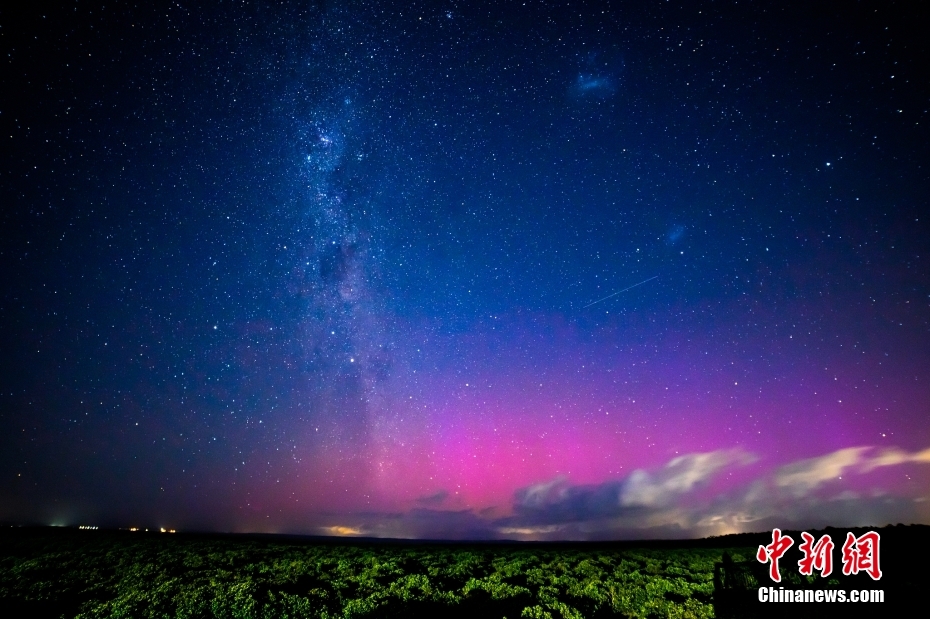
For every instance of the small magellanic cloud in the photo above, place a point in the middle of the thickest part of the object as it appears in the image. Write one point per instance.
(675, 234)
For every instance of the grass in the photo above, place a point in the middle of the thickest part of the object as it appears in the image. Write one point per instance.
(95, 575)
(48, 572)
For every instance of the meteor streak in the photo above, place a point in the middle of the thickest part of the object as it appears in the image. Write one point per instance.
(619, 291)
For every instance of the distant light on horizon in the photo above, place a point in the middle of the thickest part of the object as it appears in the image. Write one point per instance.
(341, 530)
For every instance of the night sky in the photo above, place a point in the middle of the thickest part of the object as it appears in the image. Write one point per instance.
(464, 270)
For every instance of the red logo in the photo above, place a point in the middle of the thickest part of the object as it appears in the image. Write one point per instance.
(861, 554)
(773, 552)
(817, 556)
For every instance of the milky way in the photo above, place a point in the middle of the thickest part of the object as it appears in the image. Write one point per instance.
(466, 271)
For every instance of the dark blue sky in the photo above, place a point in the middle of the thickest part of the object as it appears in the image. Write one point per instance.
(534, 270)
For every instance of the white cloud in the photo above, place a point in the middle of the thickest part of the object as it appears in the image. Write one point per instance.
(894, 456)
(800, 477)
(678, 477)
(541, 493)
(787, 497)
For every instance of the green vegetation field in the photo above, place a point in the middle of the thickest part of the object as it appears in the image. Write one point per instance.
(95, 574)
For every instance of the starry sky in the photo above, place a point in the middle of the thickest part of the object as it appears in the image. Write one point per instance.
(448, 270)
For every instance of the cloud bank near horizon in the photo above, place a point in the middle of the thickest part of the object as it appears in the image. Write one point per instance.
(677, 500)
